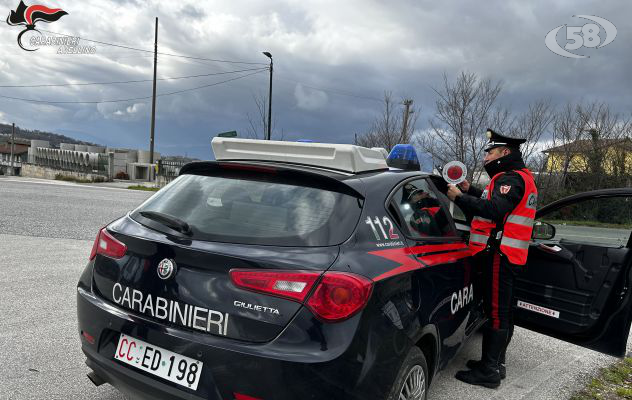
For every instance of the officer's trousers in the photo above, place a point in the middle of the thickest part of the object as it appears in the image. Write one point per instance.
(498, 276)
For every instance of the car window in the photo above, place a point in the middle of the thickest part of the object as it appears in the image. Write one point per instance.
(606, 221)
(457, 214)
(455, 211)
(423, 213)
(253, 210)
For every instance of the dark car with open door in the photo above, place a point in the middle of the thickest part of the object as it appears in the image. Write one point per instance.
(314, 271)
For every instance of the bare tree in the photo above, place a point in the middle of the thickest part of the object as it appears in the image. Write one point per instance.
(392, 126)
(531, 125)
(602, 131)
(464, 110)
(258, 123)
(567, 129)
(588, 149)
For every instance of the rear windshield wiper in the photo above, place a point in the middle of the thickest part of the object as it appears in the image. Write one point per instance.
(170, 221)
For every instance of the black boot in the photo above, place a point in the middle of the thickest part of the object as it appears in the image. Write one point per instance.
(477, 364)
(488, 374)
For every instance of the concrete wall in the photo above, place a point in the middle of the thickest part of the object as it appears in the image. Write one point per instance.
(142, 171)
(143, 156)
(35, 171)
(39, 143)
(96, 149)
(120, 163)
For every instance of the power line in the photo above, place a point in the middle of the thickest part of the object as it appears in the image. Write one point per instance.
(151, 51)
(130, 99)
(131, 81)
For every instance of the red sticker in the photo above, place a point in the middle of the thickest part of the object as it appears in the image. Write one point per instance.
(455, 172)
(504, 189)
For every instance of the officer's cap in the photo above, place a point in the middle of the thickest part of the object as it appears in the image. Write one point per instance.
(498, 140)
(414, 192)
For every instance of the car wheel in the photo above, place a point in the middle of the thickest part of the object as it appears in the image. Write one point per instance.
(411, 382)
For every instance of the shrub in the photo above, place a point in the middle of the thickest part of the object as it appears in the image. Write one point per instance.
(62, 177)
(121, 175)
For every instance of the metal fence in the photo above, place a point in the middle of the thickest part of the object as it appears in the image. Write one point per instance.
(168, 171)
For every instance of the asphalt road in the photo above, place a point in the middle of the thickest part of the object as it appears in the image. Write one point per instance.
(46, 232)
(604, 236)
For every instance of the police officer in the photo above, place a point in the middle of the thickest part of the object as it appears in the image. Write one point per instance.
(502, 220)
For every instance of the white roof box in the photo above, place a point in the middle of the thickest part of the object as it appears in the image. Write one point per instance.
(343, 157)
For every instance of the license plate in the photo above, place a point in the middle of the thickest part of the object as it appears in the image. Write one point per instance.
(157, 361)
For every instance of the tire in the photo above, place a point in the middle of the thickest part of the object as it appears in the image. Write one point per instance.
(414, 370)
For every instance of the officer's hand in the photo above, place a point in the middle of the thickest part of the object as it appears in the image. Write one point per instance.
(464, 186)
(453, 192)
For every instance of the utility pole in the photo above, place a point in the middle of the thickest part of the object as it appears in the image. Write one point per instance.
(407, 112)
(153, 99)
(12, 143)
(269, 55)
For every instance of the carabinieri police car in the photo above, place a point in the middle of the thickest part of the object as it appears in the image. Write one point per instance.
(314, 271)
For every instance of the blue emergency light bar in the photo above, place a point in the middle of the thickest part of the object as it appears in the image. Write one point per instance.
(403, 156)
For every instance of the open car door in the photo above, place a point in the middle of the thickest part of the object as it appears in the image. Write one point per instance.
(577, 282)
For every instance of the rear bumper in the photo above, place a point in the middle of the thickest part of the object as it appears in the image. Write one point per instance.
(308, 360)
(133, 384)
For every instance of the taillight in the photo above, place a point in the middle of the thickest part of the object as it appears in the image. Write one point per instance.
(294, 285)
(105, 244)
(338, 296)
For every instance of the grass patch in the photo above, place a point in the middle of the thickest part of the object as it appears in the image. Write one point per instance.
(66, 178)
(145, 188)
(612, 383)
(625, 393)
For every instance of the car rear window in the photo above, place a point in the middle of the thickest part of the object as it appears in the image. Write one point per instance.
(256, 209)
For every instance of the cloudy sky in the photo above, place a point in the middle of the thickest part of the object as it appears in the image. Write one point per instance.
(333, 62)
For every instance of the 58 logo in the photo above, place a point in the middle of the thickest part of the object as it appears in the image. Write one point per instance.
(590, 35)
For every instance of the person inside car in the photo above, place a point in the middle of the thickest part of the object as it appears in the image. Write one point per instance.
(425, 213)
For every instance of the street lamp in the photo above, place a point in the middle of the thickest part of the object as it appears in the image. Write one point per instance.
(267, 54)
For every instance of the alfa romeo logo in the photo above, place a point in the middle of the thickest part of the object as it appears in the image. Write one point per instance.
(166, 268)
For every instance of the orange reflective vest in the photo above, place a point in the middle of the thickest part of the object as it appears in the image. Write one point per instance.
(517, 225)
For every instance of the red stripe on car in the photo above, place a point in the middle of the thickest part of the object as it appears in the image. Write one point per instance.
(405, 257)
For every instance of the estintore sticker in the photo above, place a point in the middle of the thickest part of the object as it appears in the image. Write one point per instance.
(539, 309)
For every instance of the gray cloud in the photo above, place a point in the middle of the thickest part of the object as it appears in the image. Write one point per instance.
(357, 46)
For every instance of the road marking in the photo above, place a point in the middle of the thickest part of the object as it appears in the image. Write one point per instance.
(58, 183)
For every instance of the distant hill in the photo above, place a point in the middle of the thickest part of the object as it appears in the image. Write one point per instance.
(53, 138)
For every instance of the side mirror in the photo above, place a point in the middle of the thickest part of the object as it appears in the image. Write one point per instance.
(543, 231)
